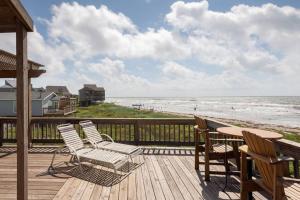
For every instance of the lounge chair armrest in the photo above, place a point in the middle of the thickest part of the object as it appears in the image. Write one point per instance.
(85, 141)
(107, 137)
(265, 159)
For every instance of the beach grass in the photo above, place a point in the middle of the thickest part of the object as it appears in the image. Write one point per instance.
(291, 136)
(110, 110)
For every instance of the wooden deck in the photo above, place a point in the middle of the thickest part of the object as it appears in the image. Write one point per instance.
(165, 174)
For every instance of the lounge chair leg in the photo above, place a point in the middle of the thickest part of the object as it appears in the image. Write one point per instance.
(81, 168)
(51, 168)
(115, 172)
(71, 159)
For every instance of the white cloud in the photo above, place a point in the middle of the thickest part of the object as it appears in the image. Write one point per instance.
(116, 79)
(253, 48)
(102, 31)
(244, 37)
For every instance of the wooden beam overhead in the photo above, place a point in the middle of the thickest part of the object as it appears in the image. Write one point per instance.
(13, 73)
(10, 28)
(21, 14)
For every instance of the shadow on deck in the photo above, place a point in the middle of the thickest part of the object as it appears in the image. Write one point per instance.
(167, 173)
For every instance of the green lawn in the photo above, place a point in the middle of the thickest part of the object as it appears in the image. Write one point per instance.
(110, 110)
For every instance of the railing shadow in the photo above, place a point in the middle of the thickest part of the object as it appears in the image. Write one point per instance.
(3, 155)
(168, 151)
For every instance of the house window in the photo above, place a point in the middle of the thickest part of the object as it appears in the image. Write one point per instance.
(14, 107)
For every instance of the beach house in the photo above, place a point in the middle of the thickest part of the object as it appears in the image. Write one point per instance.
(41, 100)
(91, 94)
(65, 103)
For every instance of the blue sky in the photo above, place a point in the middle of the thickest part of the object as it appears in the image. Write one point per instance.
(167, 48)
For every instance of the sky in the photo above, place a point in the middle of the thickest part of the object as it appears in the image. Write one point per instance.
(155, 48)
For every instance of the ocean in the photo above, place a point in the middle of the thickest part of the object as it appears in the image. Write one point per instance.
(269, 110)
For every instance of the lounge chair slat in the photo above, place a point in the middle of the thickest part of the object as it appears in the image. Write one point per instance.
(94, 137)
(77, 148)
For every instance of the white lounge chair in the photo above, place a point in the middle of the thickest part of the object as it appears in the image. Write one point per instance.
(81, 153)
(95, 138)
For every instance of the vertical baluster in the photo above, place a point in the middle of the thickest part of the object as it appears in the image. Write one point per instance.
(126, 132)
(142, 133)
(111, 133)
(179, 132)
(130, 133)
(11, 128)
(151, 132)
(174, 133)
(55, 132)
(6, 132)
(189, 132)
(9, 131)
(169, 133)
(46, 134)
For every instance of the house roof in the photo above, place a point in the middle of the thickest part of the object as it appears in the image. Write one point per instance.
(5, 86)
(35, 95)
(58, 90)
(8, 65)
(11, 83)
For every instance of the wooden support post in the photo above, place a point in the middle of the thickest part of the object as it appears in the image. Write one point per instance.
(136, 132)
(1, 133)
(29, 112)
(296, 168)
(22, 112)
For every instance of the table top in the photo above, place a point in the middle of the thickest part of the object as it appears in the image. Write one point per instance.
(237, 132)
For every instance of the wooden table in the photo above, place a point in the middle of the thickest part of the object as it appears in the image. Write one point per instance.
(237, 132)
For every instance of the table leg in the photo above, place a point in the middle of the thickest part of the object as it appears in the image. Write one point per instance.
(226, 162)
(250, 174)
(236, 155)
(197, 149)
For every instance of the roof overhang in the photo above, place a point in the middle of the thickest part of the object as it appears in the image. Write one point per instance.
(8, 62)
(13, 73)
(10, 11)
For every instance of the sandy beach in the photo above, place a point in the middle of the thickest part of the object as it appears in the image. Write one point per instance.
(250, 124)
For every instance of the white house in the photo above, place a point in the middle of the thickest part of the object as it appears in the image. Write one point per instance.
(41, 100)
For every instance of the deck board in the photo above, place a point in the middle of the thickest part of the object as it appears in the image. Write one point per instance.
(165, 174)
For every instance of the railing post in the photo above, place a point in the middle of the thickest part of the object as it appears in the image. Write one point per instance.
(1, 133)
(30, 135)
(296, 168)
(136, 132)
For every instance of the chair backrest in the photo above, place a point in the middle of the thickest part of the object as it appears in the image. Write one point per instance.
(91, 132)
(265, 148)
(200, 122)
(70, 137)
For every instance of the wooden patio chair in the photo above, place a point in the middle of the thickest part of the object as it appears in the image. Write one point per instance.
(268, 164)
(212, 151)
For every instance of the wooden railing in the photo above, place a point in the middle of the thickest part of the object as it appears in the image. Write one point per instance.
(126, 130)
(171, 132)
(55, 111)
